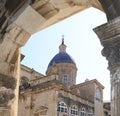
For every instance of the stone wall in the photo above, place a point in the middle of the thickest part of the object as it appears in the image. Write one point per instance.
(38, 103)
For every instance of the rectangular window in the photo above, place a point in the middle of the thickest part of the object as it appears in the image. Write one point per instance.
(90, 114)
(83, 114)
(65, 79)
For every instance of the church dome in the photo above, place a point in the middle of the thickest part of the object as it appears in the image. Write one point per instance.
(64, 66)
(61, 57)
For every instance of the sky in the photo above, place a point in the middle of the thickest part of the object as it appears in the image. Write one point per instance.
(82, 44)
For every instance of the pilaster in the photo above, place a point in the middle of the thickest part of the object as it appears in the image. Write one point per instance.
(109, 35)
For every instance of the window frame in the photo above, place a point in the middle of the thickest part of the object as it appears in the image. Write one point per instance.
(74, 110)
(62, 107)
(83, 112)
(65, 79)
(98, 93)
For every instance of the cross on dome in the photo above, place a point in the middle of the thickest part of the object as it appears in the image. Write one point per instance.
(62, 39)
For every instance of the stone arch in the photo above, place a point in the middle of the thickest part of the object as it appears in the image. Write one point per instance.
(46, 13)
(15, 31)
(42, 14)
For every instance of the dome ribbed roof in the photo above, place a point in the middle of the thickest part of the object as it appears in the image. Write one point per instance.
(61, 57)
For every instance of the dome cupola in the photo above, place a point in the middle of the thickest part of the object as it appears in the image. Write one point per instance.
(64, 66)
(62, 47)
(62, 56)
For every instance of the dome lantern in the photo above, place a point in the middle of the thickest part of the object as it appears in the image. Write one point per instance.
(62, 47)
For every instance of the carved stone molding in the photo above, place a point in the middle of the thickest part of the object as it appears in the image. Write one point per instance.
(70, 101)
(109, 35)
(112, 54)
(109, 32)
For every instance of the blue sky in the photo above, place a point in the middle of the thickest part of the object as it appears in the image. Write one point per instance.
(82, 44)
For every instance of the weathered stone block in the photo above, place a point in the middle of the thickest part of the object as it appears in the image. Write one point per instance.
(8, 82)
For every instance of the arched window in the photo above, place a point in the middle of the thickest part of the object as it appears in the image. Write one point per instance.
(74, 110)
(82, 112)
(65, 79)
(97, 93)
(62, 107)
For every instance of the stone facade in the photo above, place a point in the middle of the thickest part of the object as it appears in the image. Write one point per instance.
(57, 93)
(44, 94)
(65, 68)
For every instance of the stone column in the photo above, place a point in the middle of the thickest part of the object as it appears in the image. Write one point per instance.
(10, 45)
(109, 35)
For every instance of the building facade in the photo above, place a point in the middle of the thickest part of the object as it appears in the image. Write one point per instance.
(57, 93)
